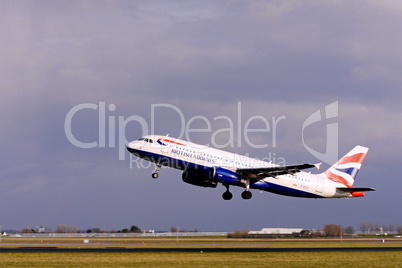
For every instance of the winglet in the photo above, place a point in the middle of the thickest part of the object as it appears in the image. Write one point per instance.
(317, 165)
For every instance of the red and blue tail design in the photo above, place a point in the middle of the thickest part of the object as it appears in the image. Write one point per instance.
(345, 170)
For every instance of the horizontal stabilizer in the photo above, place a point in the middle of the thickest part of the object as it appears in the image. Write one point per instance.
(346, 189)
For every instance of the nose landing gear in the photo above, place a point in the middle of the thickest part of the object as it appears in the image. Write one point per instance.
(155, 175)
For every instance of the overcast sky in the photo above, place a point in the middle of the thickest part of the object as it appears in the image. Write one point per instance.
(273, 59)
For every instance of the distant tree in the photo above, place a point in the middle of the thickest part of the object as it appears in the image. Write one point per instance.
(27, 231)
(125, 230)
(363, 227)
(399, 229)
(96, 230)
(391, 227)
(349, 230)
(174, 229)
(239, 234)
(332, 230)
(370, 227)
(135, 229)
(66, 228)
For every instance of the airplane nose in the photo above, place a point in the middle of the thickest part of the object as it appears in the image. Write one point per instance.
(131, 144)
(131, 147)
(131, 150)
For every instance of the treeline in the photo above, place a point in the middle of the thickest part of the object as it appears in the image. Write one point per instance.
(175, 229)
(132, 229)
(67, 228)
(72, 229)
(371, 227)
(365, 228)
(239, 234)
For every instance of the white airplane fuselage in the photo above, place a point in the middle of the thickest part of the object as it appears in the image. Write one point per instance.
(205, 166)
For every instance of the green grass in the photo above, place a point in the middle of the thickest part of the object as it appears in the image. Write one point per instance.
(335, 259)
(200, 259)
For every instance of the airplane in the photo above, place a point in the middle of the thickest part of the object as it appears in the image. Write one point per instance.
(207, 167)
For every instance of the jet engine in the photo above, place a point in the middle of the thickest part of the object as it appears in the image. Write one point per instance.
(198, 179)
(225, 176)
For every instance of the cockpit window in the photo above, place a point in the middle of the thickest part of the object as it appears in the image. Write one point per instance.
(146, 140)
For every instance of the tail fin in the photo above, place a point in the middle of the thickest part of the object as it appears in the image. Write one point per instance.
(345, 170)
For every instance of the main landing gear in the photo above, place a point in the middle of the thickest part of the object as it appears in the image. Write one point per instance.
(228, 195)
(247, 194)
(155, 175)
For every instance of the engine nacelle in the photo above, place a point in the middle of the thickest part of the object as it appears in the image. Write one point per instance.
(198, 180)
(225, 176)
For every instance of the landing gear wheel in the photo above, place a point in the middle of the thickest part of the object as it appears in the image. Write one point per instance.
(227, 195)
(246, 195)
(155, 174)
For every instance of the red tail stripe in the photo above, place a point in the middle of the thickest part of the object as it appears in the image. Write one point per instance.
(356, 158)
(336, 178)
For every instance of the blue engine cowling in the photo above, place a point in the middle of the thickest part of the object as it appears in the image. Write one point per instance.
(225, 176)
(198, 179)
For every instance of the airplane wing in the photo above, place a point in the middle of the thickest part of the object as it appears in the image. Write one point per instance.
(261, 173)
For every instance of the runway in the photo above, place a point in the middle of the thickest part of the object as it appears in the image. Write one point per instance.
(190, 250)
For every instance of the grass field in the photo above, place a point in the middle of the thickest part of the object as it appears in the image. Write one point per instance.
(335, 259)
(201, 259)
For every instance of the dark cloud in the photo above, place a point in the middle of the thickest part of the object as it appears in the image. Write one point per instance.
(277, 58)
